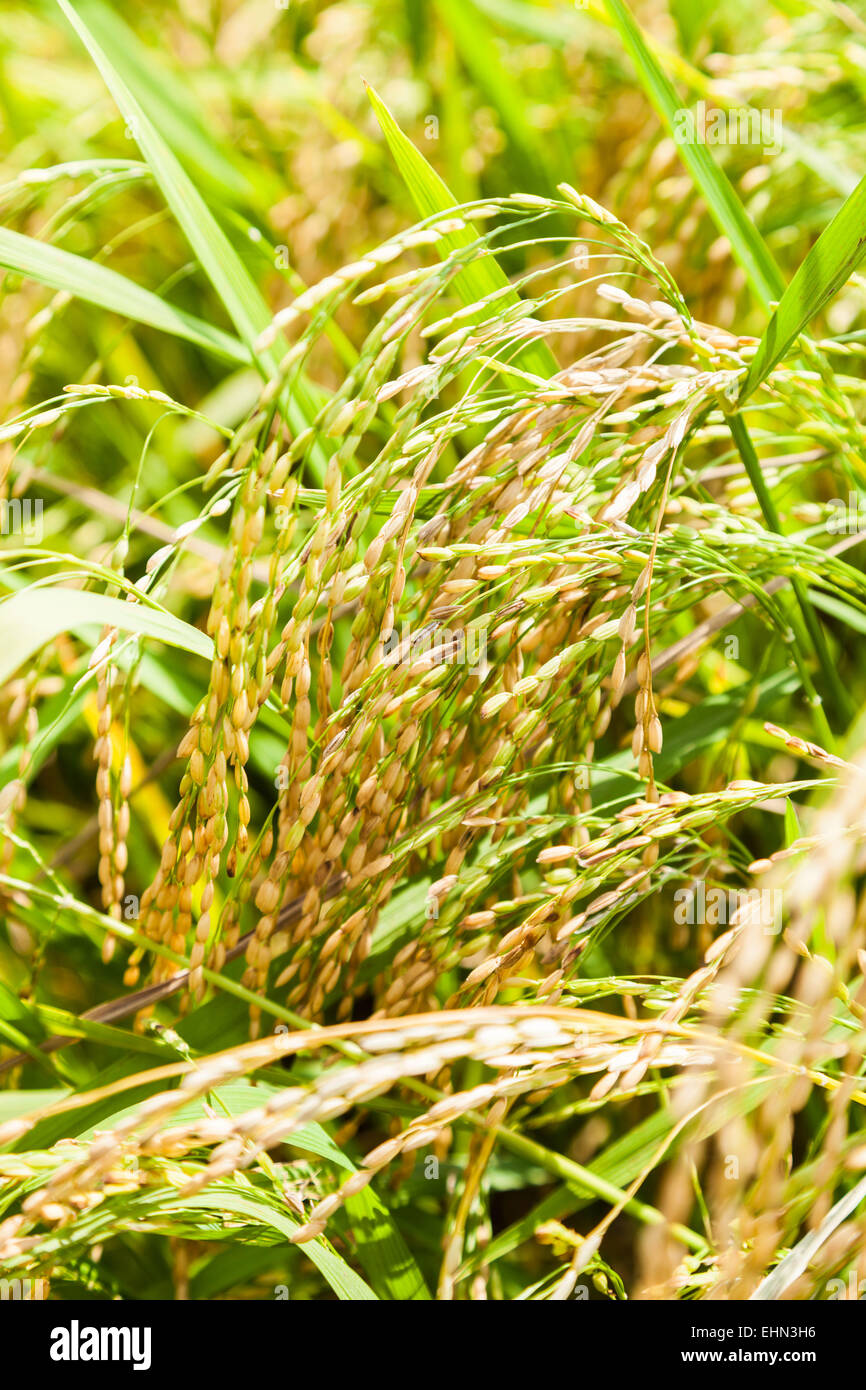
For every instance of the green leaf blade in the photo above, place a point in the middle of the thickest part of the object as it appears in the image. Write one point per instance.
(30, 619)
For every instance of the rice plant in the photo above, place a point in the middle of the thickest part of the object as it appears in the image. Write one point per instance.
(434, 812)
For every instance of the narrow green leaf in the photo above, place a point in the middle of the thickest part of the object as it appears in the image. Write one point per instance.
(340, 1275)
(218, 258)
(792, 824)
(172, 107)
(483, 276)
(61, 270)
(832, 260)
(724, 206)
(162, 1207)
(563, 29)
(37, 1021)
(30, 619)
(805, 626)
(386, 1258)
(764, 277)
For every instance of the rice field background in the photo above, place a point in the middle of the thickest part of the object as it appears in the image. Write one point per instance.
(432, 605)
